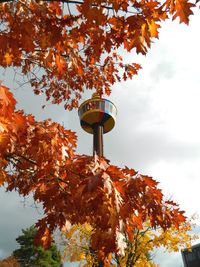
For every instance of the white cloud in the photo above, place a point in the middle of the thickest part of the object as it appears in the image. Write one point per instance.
(16, 213)
(165, 259)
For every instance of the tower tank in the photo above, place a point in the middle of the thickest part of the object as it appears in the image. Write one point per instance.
(97, 111)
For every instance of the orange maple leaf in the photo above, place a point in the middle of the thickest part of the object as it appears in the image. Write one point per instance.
(8, 58)
(153, 28)
(7, 101)
(183, 10)
(2, 177)
(61, 64)
(43, 238)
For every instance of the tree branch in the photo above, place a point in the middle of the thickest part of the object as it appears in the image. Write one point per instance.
(77, 3)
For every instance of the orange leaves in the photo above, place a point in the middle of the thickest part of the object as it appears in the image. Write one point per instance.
(73, 47)
(80, 188)
(2, 177)
(92, 14)
(61, 64)
(78, 51)
(10, 261)
(141, 30)
(179, 8)
(183, 10)
(106, 197)
(153, 28)
(8, 58)
(43, 238)
(7, 101)
(74, 188)
(39, 148)
(55, 8)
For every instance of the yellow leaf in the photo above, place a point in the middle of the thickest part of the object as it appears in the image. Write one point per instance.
(8, 58)
(153, 28)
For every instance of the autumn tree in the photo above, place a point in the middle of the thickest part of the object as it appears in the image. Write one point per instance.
(39, 158)
(77, 44)
(9, 262)
(140, 245)
(30, 255)
(73, 45)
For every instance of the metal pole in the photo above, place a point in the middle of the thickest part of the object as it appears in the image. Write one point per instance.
(98, 140)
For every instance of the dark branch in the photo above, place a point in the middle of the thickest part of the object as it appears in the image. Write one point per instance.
(74, 2)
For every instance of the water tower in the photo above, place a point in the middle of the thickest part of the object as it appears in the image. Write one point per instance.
(97, 116)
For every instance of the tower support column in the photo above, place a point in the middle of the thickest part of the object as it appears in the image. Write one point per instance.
(98, 140)
(97, 116)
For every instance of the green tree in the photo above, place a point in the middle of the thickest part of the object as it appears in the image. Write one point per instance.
(35, 256)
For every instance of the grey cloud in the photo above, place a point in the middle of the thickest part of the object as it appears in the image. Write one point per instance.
(140, 137)
(15, 214)
(144, 148)
(30, 102)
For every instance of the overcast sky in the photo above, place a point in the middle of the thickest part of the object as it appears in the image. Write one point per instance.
(157, 130)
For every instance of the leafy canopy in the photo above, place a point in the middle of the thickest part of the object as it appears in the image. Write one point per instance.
(9, 262)
(140, 245)
(77, 45)
(39, 158)
(80, 44)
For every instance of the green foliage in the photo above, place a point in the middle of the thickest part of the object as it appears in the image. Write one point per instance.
(30, 255)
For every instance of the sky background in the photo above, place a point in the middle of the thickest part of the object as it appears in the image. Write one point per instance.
(157, 130)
